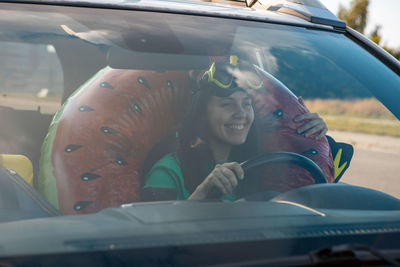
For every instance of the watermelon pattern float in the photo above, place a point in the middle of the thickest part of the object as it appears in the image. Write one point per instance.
(93, 153)
(97, 142)
(277, 107)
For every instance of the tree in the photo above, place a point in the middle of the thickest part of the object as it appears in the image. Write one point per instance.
(356, 15)
(376, 37)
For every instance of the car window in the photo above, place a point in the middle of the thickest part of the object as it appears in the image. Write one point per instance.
(107, 105)
(31, 76)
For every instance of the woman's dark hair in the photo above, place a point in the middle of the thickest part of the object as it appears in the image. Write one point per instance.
(194, 151)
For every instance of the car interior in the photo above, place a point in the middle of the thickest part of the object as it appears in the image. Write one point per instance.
(90, 99)
(129, 53)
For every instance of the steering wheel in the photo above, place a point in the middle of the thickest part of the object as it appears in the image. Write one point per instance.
(279, 158)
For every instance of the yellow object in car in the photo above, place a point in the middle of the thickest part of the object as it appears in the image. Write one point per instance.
(18, 163)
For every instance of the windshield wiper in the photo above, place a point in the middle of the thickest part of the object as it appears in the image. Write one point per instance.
(348, 253)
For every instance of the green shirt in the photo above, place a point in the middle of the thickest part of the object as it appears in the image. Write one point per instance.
(167, 173)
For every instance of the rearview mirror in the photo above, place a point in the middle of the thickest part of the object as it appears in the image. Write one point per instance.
(120, 58)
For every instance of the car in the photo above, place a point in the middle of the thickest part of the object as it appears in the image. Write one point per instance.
(95, 93)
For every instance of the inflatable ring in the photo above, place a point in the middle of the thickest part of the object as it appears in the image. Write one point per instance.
(92, 156)
(97, 142)
(277, 107)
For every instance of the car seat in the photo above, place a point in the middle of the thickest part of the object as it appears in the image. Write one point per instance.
(20, 164)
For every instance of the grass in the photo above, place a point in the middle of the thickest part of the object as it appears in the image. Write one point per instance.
(362, 108)
(357, 115)
(362, 127)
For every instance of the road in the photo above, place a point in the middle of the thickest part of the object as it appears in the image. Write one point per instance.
(376, 161)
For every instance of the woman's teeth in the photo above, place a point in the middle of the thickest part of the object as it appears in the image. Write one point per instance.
(236, 126)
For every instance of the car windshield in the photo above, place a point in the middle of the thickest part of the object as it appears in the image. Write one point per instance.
(101, 108)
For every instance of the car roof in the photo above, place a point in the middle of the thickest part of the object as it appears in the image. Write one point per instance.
(218, 8)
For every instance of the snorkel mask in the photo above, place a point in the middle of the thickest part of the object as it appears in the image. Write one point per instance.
(225, 78)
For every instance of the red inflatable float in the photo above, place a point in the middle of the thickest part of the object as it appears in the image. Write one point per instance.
(99, 140)
(277, 107)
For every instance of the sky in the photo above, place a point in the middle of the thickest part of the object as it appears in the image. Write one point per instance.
(383, 12)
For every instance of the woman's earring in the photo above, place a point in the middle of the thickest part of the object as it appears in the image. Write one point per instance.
(198, 142)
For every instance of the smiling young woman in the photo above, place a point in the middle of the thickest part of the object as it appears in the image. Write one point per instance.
(229, 120)
(219, 131)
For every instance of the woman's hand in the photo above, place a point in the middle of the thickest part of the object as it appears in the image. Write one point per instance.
(314, 125)
(224, 178)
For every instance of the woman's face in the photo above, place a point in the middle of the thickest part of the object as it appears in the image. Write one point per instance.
(230, 118)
